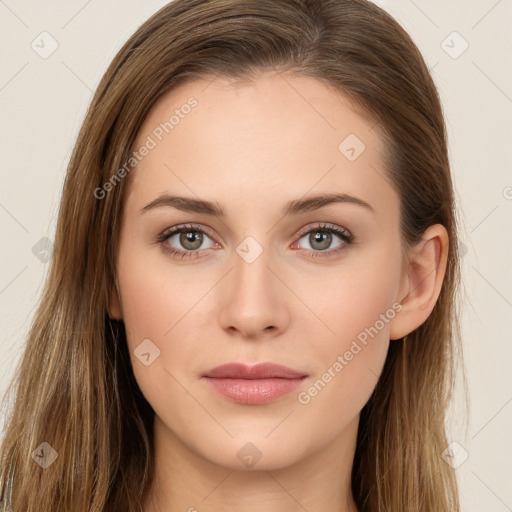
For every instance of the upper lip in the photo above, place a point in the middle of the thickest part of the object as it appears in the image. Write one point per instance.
(257, 371)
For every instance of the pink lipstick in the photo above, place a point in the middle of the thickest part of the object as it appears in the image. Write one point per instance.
(253, 385)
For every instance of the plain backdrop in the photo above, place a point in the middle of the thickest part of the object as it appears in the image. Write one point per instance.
(53, 54)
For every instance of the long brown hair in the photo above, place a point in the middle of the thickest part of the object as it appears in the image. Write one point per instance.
(74, 386)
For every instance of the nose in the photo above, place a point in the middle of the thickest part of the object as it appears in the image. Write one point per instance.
(254, 299)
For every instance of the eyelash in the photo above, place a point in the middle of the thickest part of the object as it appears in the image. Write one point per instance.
(342, 233)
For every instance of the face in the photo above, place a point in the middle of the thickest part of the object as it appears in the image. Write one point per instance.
(312, 286)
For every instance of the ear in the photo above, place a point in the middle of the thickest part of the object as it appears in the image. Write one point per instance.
(114, 306)
(421, 281)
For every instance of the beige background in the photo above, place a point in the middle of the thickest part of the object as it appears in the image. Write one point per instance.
(43, 101)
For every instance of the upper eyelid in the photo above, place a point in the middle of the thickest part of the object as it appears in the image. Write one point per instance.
(325, 226)
(186, 227)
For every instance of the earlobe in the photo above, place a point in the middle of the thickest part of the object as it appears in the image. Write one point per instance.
(422, 281)
(114, 306)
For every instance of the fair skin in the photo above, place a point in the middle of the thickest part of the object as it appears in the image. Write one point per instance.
(250, 149)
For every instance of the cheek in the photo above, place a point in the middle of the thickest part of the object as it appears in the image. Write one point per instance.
(354, 299)
(155, 295)
(158, 308)
(163, 304)
(357, 311)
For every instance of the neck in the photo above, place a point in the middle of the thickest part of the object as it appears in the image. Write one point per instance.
(185, 481)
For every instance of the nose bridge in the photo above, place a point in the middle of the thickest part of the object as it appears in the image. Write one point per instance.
(253, 301)
(252, 277)
(252, 267)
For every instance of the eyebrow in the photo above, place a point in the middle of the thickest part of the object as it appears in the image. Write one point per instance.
(190, 204)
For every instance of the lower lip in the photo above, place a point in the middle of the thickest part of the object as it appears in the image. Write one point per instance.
(253, 391)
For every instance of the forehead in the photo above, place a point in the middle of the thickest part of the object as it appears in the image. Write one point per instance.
(276, 138)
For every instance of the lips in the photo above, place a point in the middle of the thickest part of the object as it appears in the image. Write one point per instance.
(253, 385)
(258, 371)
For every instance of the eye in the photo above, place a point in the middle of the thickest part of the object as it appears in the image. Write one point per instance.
(190, 237)
(320, 239)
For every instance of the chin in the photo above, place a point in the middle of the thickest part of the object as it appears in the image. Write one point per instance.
(254, 453)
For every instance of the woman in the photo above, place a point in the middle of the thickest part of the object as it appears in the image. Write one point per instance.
(252, 297)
